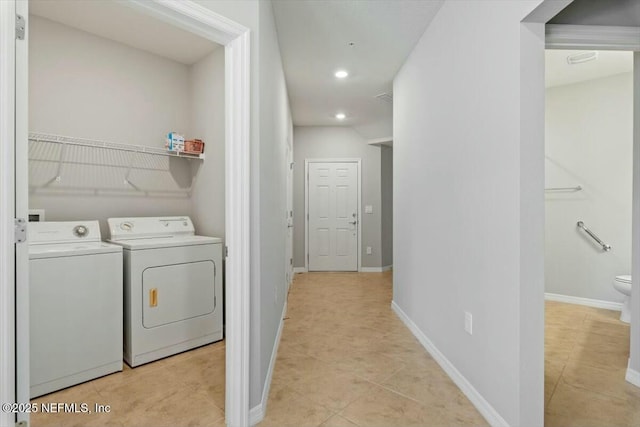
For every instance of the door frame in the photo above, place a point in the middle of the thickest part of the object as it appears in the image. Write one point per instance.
(356, 160)
(7, 209)
(199, 20)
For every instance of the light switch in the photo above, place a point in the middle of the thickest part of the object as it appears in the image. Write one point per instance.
(368, 209)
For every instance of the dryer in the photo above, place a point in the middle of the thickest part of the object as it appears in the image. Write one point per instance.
(172, 286)
(75, 305)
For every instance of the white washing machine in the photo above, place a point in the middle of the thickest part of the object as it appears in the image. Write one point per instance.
(75, 312)
(172, 286)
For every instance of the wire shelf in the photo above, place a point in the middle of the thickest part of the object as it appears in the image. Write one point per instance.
(95, 143)
(62, 164)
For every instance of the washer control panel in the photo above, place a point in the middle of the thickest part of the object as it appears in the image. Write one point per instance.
(49, 232)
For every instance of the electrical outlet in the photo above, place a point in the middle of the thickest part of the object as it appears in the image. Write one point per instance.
(468, 323)
(368, 250)
(368, 209)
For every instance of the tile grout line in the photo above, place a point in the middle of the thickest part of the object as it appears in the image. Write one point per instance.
(599, 393)
(548, 403)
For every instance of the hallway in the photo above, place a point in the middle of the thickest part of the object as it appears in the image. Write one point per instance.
(345, 359)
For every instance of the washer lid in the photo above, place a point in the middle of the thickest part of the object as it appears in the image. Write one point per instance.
(72, 249)
(165, 242)
(623, 279)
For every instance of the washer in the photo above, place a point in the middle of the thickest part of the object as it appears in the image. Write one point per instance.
(172, 286)
(75, 299)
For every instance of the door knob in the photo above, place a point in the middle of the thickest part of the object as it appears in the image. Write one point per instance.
(353, 222)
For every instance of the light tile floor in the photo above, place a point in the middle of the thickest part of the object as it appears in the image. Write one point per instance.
(586, 353)
(183, 390)
(345, 359)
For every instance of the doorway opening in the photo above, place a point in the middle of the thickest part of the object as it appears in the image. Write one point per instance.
(235, 133)
(588, 229)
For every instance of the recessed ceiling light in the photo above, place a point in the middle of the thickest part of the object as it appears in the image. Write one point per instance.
(340, 116)
(341, 74)
(579, 58)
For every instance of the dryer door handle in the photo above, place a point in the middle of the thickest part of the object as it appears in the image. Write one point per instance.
(153, 297)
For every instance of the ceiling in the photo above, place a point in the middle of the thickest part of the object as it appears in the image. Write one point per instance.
(624, 13)
(559, 72)
(315, 37)
(116, 21)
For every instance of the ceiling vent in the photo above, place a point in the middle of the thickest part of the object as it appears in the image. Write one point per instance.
(385, 97)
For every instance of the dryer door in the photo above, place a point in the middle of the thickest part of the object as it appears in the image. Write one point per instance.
(171, 293)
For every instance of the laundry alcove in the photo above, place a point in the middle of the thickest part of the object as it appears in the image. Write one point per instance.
(99, 110)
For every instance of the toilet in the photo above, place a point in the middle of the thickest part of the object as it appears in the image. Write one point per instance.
(623, 285)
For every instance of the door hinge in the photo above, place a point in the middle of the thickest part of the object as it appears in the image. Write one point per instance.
(226, 251)
(20, 27)
(20, 230)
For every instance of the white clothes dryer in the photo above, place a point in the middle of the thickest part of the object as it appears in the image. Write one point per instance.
(75, 312)
(172, 286)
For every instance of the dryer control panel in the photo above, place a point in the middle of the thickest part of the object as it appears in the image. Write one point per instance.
(150, 227)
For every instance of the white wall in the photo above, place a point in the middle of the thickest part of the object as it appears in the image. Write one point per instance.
(589, 142)
(87, 86)
(206, 78)
(458, 202)
(314, 142)
(378, 129)
(275, 132)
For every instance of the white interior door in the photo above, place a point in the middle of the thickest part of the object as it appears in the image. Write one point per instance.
(332, 209)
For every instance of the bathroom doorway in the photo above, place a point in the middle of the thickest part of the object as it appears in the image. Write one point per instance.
(589, 125)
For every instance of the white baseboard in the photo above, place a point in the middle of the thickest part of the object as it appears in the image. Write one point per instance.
(257, 413)
(375, 269)
(609, 305)
(633, 376)
(362, 269)
(488, 412)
